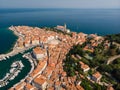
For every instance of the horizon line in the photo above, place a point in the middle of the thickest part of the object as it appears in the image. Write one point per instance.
(56, 8)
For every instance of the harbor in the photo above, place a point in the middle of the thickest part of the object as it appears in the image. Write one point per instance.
(16, 68)
(13, 69)
(14, 52)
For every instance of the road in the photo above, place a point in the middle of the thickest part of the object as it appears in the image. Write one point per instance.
(111, 59)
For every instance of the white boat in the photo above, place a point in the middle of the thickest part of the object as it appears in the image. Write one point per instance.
(12, 77)
(6, 76)
(14, 64)
(21, 64)
(6, 83)
(4, 58)
(7, 56)
(12, 70)
(16, 73)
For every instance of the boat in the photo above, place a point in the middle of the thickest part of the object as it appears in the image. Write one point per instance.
(7, 56)
(12, 70)
(12, 77)
(14, 64)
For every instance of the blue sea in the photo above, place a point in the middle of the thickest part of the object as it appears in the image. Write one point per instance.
(100, 21)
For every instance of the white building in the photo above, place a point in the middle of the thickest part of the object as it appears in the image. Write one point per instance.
(62, 28)
(40, 82)
(39, 53)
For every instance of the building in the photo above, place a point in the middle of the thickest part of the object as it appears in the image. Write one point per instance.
(20, 86)
(35, 40)
(110, 88)
(40, 82)
(39, 69)
(84, 67)
(29, 87)
(53, 43)
(62, 28)
(39, 53)
(96, 77)
(57, 85)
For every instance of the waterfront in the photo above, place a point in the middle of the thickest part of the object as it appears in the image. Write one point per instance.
(5, 65)
(7, 39)
(101, 21)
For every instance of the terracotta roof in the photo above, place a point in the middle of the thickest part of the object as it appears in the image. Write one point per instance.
(39, 50)
(110, 88)
(97, 75)
(40, 80)
(84, 66)
(79, 87)
(50, 88)
(29, 87)
(38, 68)
(20, 86)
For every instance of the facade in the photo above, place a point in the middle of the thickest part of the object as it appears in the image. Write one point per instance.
(39, 53)
(40, 82)
(29, 87)
(96, 77)
(62, 28)
(84, 67)
(35, 40)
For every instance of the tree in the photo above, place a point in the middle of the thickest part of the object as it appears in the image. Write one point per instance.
(117, 61)
(117, 86)
(86, 85)
(105, 68)
(116, 74)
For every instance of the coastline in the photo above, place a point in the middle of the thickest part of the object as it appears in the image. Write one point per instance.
(57, 56)
(14, 50)
(8, 40)
(11, 51)
(32, 68)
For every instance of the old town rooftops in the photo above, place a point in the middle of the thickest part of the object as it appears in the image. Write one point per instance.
(39, 50)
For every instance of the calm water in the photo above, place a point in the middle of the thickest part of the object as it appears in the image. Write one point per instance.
(80, 20)
(100, 21)
(5, 67)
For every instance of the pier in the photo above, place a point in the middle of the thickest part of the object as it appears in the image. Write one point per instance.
(14, 52)
(16, 67)
(33, 64)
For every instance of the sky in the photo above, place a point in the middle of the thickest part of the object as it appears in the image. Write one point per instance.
(59, 3)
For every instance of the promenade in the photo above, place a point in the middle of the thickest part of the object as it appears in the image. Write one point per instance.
(14, 52)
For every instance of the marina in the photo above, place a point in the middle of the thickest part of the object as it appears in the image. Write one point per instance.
(16, 68)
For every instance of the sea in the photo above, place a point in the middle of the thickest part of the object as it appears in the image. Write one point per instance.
(90, 21)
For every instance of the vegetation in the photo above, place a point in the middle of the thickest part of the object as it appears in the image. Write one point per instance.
(58, 31)
(87, 85)
(114, 37)
(71, 66)
(96, 61)
(117, 86)
(113, 69)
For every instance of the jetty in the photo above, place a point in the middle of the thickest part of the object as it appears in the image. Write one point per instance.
(16, 68)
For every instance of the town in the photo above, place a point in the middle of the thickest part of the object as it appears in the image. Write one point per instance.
(56, 64)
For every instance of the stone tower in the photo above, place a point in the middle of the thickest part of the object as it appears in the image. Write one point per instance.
(65, 27)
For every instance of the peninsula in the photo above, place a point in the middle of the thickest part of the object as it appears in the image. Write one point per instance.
(64, 60)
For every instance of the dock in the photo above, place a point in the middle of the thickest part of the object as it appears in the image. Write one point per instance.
(14, 71)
